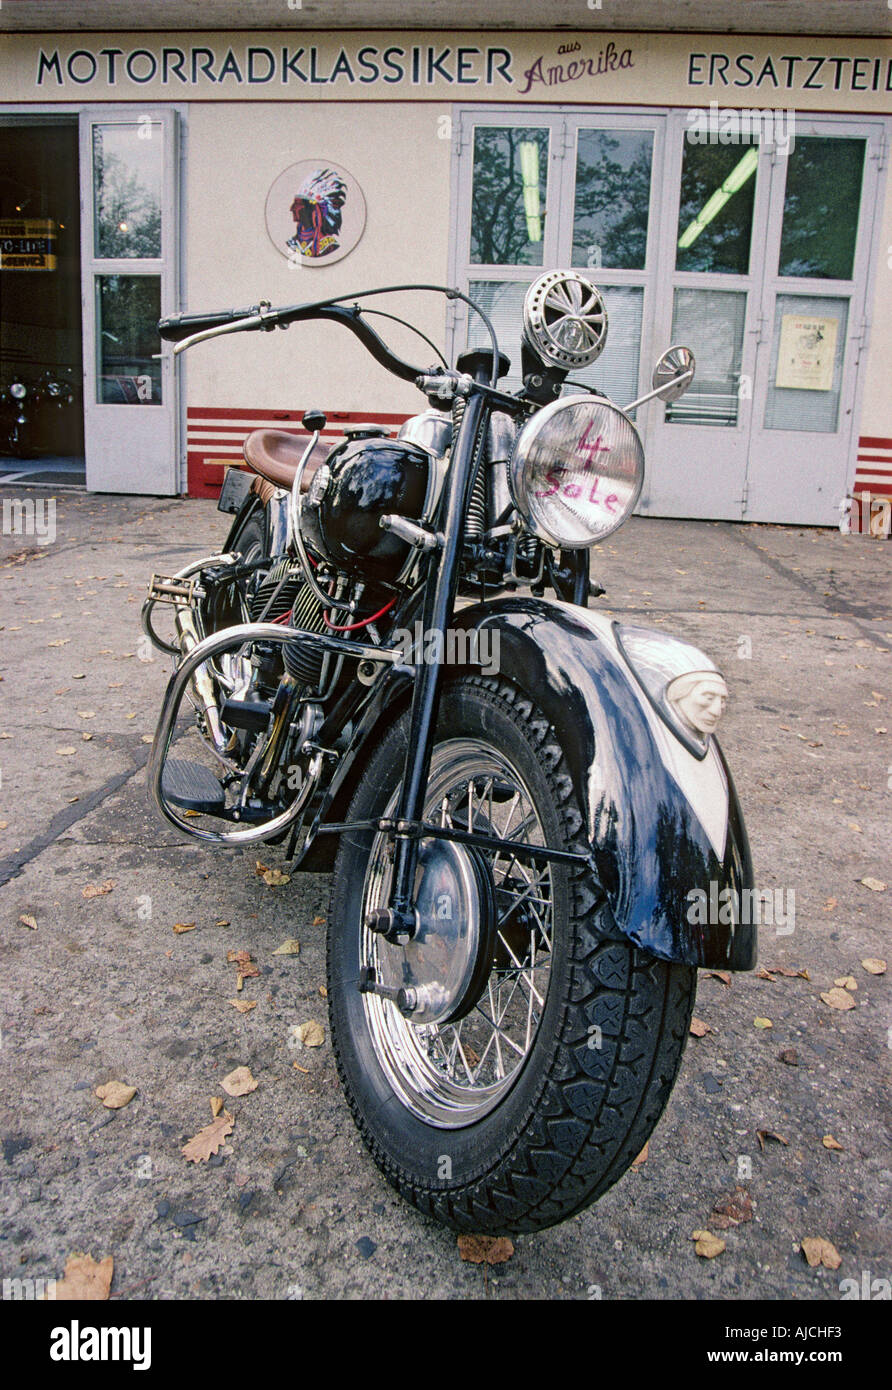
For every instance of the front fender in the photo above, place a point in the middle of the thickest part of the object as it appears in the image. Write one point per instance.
(665, 827)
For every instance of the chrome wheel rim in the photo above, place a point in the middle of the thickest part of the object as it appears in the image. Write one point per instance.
(451, 1075)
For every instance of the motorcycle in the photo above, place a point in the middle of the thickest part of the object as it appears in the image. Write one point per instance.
(394, 668)
(17, 429)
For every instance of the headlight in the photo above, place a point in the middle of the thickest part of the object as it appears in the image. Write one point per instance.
(683, 685)
(19, 390)
(576, 471)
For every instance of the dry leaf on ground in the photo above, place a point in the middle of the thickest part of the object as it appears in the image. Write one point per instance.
(318, 921)
(67, 752)
(723, 975)
(274, 878)
(98, 890)
(239, 1082)
(874, 884)
(830, 1143)
(699, 1028)
(846, 982)
(180, 927)
(732, 1209)
(838, 999)
(207, 1141)
(291, 947)
(819, 1251)
(707, 1245)
(311, 1033)
(216, 1105)
(874, 966)
(790, 1056)
(763, 1134)
(85, 1278)
(27, 920)
(115, 1094)
(491, 1250)
(642, 1157)
(762, 1023)
(244, 1006)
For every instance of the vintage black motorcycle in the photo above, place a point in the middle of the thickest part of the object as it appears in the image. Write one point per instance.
(519, 797)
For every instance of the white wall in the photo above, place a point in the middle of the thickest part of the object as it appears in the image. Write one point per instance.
(234, 153)
(876, 410)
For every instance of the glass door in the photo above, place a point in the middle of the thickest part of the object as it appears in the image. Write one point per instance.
(128, 267)
(712, 235)
(541, 190)
(813, 312)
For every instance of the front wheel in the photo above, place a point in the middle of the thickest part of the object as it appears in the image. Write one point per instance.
(513, 1060)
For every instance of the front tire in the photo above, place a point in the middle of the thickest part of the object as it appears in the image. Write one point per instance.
(523, 1131)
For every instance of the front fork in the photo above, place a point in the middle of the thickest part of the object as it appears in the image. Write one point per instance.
(397, 922)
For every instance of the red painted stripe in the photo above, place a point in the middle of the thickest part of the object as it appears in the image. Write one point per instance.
(874, 441)
(874, 489)
(232, 413)
(875, 458)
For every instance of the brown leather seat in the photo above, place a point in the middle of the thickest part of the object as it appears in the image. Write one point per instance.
(275, 455)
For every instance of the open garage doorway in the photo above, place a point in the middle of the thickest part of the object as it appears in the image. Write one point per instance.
(41, 365)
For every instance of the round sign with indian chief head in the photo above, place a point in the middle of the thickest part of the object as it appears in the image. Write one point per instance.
(315, 212)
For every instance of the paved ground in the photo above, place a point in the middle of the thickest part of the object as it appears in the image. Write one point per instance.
(104, 989)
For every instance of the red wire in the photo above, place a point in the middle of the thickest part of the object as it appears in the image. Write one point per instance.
(351, 627)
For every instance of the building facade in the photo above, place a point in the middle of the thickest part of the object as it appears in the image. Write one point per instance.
(729, 192)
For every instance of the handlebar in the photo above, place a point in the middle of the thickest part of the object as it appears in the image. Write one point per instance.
(183, 329)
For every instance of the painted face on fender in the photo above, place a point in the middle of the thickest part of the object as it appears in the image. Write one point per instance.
(700, 698)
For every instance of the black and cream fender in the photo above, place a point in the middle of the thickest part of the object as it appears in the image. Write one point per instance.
(662, 814)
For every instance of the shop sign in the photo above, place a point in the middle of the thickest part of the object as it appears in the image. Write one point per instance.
(27, 244)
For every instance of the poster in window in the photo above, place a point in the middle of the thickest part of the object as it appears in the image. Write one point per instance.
(315, 213)
(806, 353)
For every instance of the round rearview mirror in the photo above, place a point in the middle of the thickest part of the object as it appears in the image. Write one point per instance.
(673, 373)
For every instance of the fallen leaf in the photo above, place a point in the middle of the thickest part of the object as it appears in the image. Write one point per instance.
(223, 922)
(239, 1082)
(180, 927)
(216, 1105)
(297, 1067)
(490, 1250)
(318, 921)
(735, 1207)
(764, 974)
(699, 1028)
(830, 904)
(874, 884)
(115, 1095)
(274, 878)
(311, 1033)
(847, 982)
(27, 920)
(244, 1006)
(323, 991)
(830, 1143)
(86, 714)
(3, 824)
(707, 1245)
(288, 948)
(762, 1023)
(208, 1140)
(85, 1278)
(86, 738)
(763, 1134)
(642, 1157)
(67, 752)
(790, 1056)
(819, 1251)
(260, 868)
(723, 975)
(838, 999)
(98, 890)
(874, 966)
